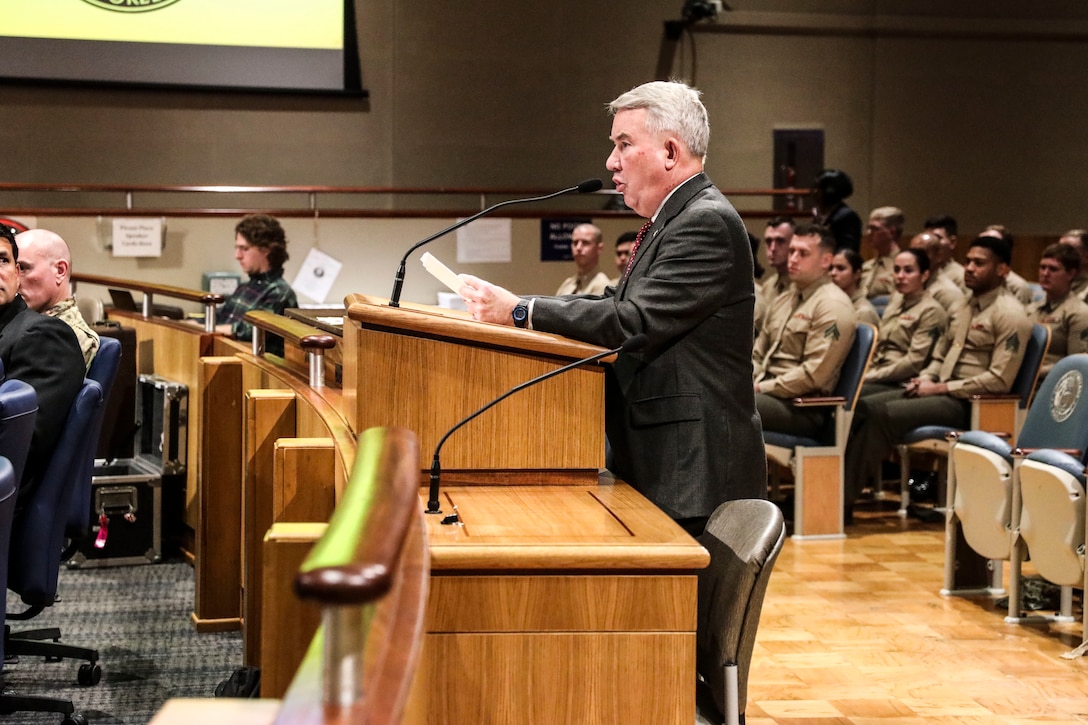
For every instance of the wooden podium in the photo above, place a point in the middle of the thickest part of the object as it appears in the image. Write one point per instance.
(558, 597)
(426, 368)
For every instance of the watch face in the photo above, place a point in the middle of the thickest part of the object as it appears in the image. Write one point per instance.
(520, 313)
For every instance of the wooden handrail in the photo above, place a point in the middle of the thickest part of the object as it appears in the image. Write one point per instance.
(302, 189)
(312, 341)
(151, 288)
(352, 562)
(291, 330)
(209, 299)
(311, 207)
(355, 570)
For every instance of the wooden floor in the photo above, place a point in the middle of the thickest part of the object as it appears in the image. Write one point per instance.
(856, 631)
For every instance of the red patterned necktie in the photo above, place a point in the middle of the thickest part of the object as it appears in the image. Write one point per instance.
(634, 249)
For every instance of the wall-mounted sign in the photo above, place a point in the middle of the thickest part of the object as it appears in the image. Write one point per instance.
(137, 237)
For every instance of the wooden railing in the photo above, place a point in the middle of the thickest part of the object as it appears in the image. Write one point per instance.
(369, 572)
(302, 201)
(209, 299)
(313, 342)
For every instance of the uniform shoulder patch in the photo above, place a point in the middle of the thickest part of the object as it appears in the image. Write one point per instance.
(1012, 344)
(833, 331)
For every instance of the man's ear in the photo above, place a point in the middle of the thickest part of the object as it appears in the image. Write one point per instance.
(672, 152)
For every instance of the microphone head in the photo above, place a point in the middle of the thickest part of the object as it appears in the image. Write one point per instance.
(589, 186)
(634, 343)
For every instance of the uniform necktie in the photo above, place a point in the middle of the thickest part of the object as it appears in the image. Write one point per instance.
(634, 249)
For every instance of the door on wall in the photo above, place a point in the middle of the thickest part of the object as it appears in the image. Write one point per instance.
(798, 157)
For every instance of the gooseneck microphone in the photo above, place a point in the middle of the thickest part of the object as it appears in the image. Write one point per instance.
(586, 187)
(632, 344)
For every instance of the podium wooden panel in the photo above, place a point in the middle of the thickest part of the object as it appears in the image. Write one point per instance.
(559, 604)
(425, 368)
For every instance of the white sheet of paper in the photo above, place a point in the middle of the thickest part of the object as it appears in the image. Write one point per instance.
(316, 275)
(441, 272)
(484, 240)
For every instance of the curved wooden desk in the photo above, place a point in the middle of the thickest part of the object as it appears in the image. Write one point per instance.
(572, 603)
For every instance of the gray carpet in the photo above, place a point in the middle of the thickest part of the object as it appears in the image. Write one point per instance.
(138, 619)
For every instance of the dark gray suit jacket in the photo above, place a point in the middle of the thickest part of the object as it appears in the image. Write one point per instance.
(44, 353)
(680, 415)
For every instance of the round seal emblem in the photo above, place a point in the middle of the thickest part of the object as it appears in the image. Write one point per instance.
(1063, 401)
(130, 6)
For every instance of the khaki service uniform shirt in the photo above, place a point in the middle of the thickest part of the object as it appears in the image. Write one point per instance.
(1019, 288)
(864, 308)
(909, 331)
(1067, 320)
(804, 355)
(584, 285)
(878, 275)
(947, 294)
(984, 346)
(953, 272)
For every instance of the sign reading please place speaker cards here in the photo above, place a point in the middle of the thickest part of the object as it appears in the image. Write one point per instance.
(137, 237)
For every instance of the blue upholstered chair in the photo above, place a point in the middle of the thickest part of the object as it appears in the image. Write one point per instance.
(12, 702)
(103, 370)
(37, 541)
(818, 463)
(999, 414)
(18, 412)
(744, 538)
(993, 488)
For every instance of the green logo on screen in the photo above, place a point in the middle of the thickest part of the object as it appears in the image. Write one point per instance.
(130, 6)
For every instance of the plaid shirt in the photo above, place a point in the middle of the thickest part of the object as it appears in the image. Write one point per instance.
(263, 291)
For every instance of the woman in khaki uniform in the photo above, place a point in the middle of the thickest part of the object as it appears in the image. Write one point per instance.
(846, 274)
(912, 324)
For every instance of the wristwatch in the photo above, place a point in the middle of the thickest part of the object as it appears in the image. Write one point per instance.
(521, 314)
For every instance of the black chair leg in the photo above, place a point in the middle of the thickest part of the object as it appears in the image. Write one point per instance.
(12, 702)
(44, 643)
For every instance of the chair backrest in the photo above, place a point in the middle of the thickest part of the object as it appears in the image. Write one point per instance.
(852, 374)
(104, 365)
(743, 538)
(103, 370)
(37, 538)
(1027, 376)
(18, 411)
(92, 309)
(1058, 416)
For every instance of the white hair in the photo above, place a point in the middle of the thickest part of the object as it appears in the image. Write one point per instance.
(670, 106)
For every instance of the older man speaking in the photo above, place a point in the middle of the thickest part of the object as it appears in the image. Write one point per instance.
(680, 414)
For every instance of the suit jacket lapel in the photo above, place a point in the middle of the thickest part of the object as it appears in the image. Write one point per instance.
(676, 203)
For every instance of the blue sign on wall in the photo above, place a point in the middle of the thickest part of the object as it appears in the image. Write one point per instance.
(555, 238)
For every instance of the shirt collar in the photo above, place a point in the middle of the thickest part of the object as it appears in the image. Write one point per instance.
(669, 195)
(981, 302)
(808, 291)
